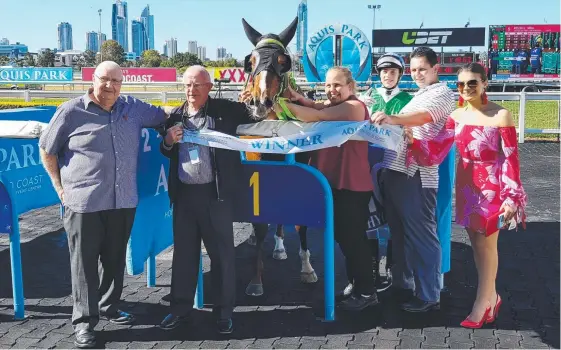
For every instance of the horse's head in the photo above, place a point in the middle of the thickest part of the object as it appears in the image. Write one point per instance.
(267, 65)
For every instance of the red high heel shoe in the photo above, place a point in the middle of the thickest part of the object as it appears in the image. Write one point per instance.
(492, 317)
(467, 323)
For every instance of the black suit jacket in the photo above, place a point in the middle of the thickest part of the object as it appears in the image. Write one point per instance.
(227, 115)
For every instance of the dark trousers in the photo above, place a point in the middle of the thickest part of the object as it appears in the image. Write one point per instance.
(351, 214)
(98, 243)
(197, 214)
(410, 211)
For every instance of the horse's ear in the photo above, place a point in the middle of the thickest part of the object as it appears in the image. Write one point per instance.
(251, 33)
(287, 34)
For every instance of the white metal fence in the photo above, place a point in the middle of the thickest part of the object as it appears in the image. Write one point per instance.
(537, 113)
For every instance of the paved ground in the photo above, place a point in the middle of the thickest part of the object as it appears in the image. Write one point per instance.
(286, 317)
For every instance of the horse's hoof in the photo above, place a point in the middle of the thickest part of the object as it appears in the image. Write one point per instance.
(254, 290)
(308, 277)
(280, 254)
(252, 240)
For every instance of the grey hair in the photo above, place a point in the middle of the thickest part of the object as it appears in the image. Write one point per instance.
(107, 65)
(195, 70)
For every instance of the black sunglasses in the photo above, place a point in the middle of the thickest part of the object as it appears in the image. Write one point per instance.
(472, 84)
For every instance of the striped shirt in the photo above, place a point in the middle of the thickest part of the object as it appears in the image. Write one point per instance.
(438, 100)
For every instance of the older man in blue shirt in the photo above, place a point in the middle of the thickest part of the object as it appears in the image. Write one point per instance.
(90, 151)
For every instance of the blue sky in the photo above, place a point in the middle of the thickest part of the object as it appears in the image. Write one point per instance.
(215, 23)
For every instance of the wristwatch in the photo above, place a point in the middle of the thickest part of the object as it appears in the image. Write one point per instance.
(166, 147)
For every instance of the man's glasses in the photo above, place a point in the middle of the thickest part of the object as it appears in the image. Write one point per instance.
(472, 84)
(105, 80)
(195, 86)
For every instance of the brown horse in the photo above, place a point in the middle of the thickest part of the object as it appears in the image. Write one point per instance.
(269, 65)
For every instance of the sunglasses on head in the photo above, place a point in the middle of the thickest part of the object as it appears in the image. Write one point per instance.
(472, 84)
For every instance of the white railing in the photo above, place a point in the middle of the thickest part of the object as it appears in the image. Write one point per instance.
(523, 97)
(79, 85)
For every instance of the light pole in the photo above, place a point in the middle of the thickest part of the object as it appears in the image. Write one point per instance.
(420, 27)
(465, 26)
(99, 37)
(374, 8)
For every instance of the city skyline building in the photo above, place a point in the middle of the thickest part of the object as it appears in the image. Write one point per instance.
(148, 20)
(119, 24)
(102, 39)
(221, 53)
(130, 56)
(92, 41)
(302, 29)
(139, 37)
(201, 53)
(192, 47)
(170, 47)
(13, 50)
(64, 36)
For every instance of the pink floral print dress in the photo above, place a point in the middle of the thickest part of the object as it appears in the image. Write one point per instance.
(487, 174)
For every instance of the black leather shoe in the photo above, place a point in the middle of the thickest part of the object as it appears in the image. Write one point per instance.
(418, 305)
(401, 295)
(171, 322)
(345, 293)
(119, 317)
(358, 303)
(225, 326)
(85, 339)
(166, 299)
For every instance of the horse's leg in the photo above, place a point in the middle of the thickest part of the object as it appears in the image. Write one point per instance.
(252, 240)
(307, 274)
(279, 253)
(255, 286)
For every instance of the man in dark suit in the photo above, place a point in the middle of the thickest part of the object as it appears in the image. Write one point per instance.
(202, 185)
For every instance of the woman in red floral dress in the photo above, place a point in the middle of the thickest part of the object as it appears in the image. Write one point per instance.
(487, 180)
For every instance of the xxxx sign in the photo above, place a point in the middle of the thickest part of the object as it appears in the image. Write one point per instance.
(234, 75)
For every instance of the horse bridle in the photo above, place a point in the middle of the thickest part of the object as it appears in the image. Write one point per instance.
(283, 72)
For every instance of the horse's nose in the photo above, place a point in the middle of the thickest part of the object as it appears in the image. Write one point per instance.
(268, 103)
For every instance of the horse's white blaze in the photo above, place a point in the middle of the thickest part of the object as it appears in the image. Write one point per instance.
(305, 258)
(263, 83)
(279, 243)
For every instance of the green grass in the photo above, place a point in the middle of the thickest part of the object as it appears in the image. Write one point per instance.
(539, 115)
(6, 103)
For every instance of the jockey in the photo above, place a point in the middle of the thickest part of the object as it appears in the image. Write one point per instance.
(390, 99)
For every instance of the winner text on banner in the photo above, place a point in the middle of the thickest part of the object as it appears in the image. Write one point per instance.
(285, 137)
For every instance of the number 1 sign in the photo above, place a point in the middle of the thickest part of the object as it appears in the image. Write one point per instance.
(291, 194)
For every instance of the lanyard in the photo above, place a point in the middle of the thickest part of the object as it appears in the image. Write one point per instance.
(186, 125)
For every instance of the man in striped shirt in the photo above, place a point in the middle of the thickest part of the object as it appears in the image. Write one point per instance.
(410, 192)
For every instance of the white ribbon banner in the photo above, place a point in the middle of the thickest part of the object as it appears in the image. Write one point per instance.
(294, 137)
(21, 129)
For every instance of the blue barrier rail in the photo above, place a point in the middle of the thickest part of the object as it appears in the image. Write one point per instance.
(24, 185)
(307, 201)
